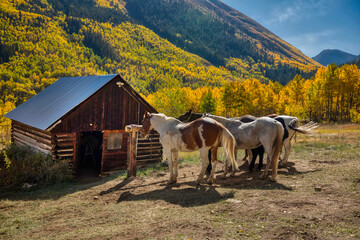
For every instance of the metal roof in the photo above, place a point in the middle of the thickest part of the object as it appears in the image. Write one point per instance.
(47, 107)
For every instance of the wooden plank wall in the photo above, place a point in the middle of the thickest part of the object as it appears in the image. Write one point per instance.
(114, 159)
(149, 150)
(111, 108)
(25, 135)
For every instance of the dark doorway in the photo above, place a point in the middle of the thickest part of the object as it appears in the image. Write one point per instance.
(90, 152)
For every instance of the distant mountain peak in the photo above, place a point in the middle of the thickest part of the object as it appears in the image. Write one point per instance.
(329, 56)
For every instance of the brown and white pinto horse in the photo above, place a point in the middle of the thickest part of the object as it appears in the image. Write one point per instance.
(202, 134)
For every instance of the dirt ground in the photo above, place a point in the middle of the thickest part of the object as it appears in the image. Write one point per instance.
(317, 196)
(293, 214)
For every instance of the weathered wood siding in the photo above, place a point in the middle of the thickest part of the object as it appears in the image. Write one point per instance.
(149, 150)
(64, 147)
(108, 110)
(25, 135)
(115, 159)
(111, 108)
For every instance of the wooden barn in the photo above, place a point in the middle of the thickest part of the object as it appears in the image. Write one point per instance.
(83, 119)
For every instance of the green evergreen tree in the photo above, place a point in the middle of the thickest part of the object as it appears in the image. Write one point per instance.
(207, 103)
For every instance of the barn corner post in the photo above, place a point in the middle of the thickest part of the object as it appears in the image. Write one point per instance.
(132, 129)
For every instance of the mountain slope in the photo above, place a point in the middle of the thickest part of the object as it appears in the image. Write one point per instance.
(39, 45)
(336, 56)
(218, 33)
(355, 62)
(210, 29)
(153, 44)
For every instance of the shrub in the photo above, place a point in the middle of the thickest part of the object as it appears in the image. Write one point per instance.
(19, 165)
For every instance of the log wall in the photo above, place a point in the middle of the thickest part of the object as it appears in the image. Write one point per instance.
(37, 139)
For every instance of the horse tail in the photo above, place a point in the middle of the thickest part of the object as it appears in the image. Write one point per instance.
(277, 146)
(304, 129)
(228, 143)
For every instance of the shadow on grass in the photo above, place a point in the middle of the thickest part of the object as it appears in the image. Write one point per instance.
(193, 195)
(54, 191)
(185, 197)
(188, 194)
(244, 180)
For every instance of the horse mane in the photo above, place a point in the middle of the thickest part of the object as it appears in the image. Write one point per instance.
(163, 116)
(220, 118)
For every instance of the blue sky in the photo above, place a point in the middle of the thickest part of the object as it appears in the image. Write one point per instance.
(309, 25)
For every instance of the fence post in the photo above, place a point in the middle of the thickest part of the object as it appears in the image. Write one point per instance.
(131, 150)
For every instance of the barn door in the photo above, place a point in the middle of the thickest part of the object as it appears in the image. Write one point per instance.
(114, 154)
(90, 153)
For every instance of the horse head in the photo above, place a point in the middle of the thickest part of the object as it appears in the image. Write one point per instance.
(146, 125)
(185, 117)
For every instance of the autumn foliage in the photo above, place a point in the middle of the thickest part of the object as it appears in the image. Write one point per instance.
(333, 94)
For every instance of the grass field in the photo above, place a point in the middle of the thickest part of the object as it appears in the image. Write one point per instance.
(317, 196)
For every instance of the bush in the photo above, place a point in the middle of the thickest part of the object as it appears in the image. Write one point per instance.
(19, 165)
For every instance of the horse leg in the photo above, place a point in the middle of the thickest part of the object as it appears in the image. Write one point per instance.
(287, 146)
(175, 157)
(204, 164)
(235, 153)
(226, 168)
(264, 174)
(273, 156)
(274, 167)
(268, 150)
(213, 163)
(208, 170)
(168, 155)
(261, 157)
(246, 154)
(254, 156)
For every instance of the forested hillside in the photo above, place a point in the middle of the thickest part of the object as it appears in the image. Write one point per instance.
(160, 47)
(356, 62)
(219, 34)
(39, 45)
(44, 40)
(333, 94)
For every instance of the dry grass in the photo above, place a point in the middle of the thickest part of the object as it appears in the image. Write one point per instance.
(243, 207)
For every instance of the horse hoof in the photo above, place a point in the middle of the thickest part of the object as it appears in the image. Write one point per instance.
(273, 179)
(282, 164)
(170, 182)
(197, 182)
(221, 177)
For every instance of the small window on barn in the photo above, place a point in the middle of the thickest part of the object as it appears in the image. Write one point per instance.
(114, 141)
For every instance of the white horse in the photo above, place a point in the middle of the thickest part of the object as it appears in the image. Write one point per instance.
(292, 125)
(262, 131)
(202, 134)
